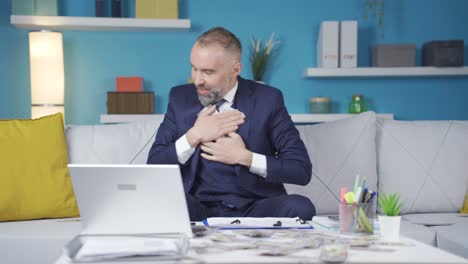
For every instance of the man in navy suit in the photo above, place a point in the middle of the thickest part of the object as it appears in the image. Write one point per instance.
(233, 139)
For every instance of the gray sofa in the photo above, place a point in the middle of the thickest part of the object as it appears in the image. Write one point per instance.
(424, 161)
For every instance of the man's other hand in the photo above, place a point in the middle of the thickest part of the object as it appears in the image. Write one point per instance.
(229, 150)
(209, 127)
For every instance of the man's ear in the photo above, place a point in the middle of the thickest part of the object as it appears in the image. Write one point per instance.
(236, 69)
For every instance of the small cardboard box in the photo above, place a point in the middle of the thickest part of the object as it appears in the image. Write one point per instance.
(394, 55)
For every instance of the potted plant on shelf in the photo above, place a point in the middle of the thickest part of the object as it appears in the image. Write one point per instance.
(376, 9)
(390, 218)
(261, 56)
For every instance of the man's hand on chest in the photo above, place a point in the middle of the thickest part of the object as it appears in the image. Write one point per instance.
(209, 127)
(229, 149)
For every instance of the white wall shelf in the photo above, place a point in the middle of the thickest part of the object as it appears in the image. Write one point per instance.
(297, 118)
(319, 118)
(98, 23)
(384, 72)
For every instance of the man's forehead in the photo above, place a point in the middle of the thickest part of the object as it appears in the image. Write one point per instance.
(211, 49)
(206, 57)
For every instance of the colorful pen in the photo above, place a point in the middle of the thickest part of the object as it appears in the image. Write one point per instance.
(356, 184)
(344, 190)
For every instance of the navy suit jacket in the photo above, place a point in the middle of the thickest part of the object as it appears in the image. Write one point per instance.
(268, 130)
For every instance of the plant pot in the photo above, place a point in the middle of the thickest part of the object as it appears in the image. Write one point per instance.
(389, 227)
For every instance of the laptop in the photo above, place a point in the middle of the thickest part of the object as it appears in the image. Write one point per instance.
(130, 199)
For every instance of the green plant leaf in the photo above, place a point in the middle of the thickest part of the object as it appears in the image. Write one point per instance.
(390, 204)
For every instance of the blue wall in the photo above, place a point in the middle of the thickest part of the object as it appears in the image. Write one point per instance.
(93, 59)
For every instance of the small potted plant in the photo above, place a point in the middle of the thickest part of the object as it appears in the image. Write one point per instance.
(390, 218)
(261, 55)
(375, 9)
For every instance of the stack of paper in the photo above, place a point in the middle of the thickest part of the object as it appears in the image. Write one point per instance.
(102, 248)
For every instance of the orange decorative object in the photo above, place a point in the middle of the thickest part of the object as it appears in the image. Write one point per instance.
(129, 84)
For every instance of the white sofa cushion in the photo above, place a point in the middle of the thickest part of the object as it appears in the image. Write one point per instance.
(36, 241)
(435, 219)
(425, 162)
(419, 232)
(338, 151)
(453, 238)
(111, 144)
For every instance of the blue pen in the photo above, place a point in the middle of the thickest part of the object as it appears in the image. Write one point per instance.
(364, 195)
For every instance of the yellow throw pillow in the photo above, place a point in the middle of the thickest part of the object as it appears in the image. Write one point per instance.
(464, 209)
(34, 178)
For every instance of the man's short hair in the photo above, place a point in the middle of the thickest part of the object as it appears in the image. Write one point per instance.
(222, 37)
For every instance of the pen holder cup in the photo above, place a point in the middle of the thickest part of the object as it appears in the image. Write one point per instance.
(357, 218)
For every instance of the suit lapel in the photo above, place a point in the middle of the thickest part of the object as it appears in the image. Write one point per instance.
(190, 116)
(191, 113)
(245, 102)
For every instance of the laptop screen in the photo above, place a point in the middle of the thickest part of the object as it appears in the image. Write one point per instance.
(130, 199)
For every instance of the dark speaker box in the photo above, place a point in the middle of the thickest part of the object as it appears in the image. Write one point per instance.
(130, 102)
(448, 53)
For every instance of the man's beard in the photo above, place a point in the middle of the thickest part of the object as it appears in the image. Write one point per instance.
(211, 98)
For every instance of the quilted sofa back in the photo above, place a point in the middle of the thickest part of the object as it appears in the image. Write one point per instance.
(339, 151)
(424, 161)
(127, 143)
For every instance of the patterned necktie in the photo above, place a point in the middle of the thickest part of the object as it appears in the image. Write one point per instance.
(219, 104)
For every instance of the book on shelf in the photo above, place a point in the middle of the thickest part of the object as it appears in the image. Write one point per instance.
(35, 7)
(23, 7)
(100, 8)
(116, 10)
(46, 8)
(168, 9)
(111, 8)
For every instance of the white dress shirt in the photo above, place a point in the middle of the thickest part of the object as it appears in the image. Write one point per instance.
(185, 151)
